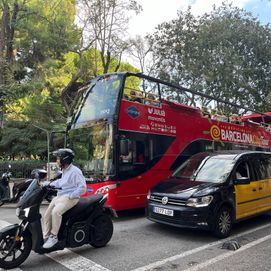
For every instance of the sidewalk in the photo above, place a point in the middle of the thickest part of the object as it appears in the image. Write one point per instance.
(14, 205)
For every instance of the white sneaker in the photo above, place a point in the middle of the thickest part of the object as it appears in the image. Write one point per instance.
(51, 241)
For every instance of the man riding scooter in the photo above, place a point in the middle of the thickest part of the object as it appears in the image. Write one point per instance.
(86, 223)
(72, 184)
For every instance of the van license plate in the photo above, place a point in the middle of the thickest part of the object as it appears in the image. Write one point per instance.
(163, 211)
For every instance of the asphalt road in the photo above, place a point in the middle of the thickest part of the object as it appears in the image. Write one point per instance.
(138, 244)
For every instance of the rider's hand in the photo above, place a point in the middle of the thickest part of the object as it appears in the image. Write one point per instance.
(44, 183)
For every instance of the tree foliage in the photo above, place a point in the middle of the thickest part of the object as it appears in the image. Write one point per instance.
(45, 56)
(103, 27)
(226, 54)
(31, 32)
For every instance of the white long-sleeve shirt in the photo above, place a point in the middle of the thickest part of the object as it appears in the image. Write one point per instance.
(72, 182)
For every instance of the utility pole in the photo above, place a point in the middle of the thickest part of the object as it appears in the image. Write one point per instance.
(48, 133)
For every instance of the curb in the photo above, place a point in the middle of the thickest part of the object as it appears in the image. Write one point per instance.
(14, 205)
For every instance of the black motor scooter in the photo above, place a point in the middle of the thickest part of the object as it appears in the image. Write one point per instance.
(20, 187)
(85, 223)
(4, 186)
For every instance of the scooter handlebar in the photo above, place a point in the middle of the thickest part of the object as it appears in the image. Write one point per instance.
(53, 187)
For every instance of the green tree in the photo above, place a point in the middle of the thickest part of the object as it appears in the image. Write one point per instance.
(226, 54)
(104, 26)
(31, 32)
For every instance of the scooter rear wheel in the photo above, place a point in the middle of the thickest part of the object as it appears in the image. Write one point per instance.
(18, 254)
(102, 231)
(1, 202)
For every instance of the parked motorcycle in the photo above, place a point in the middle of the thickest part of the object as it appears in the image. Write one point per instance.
(85, 223)
(20, 187)
(4, 186)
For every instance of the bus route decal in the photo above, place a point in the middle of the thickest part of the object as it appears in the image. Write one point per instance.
(215, 132)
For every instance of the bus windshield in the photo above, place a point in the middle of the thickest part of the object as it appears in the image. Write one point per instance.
(99, 100)
(93, 148)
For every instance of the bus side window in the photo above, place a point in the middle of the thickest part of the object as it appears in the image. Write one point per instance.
(127, 157)
(140, 152)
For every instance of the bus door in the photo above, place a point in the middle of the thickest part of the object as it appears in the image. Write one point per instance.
(132, 188)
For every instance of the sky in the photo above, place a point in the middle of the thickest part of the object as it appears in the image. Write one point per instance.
(158, 11)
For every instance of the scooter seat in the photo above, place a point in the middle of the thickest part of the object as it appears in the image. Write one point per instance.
(82, 205)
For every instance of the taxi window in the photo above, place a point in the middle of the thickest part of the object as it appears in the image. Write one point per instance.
(262, 167)
(242, 171)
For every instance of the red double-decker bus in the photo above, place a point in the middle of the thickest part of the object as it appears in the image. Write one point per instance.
(128, 136)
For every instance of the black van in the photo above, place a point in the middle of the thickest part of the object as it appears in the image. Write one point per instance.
(213, 191)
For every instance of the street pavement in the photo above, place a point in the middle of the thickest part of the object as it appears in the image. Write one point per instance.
(139, 245)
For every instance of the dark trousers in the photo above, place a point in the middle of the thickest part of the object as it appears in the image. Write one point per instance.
(3, 191)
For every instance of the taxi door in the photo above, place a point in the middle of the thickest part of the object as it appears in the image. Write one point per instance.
(263, 174)
(246, 195)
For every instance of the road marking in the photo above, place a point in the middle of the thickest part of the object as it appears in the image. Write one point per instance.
(195, 250)
(73, 261)
(228, 254)
(67, 258)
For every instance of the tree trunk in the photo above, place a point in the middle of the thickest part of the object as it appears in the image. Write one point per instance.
(3, 42)
(10, 32)
(69, 102)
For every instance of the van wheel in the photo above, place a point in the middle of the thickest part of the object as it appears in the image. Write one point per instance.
(102, 231)
(223, 223)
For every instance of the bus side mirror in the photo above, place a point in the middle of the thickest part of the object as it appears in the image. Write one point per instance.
(124, 144)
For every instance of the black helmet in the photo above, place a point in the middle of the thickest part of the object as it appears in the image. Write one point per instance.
(65, 155)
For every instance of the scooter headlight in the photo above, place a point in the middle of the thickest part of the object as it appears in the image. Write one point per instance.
(22, 213)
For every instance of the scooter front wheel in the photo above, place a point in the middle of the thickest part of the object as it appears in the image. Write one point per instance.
(1, 202)
(102, 231)
(13, 254)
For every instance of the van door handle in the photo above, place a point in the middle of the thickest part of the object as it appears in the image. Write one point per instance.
(254, 190)
(260, 188)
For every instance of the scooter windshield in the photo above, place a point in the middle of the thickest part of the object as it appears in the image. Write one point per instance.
(31, 195)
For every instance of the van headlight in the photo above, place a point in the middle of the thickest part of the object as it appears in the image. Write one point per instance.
(199, 202)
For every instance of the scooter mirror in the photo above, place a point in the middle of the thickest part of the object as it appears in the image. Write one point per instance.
(38, 174)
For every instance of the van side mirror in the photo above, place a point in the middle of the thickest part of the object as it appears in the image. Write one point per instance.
(124, 144)
(242, 180)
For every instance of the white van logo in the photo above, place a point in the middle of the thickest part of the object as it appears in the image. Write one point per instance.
(165, 200)
(158, 112)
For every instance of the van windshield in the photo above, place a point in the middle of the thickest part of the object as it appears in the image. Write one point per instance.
(204, 168)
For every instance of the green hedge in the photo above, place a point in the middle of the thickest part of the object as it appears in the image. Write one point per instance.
(22, 168)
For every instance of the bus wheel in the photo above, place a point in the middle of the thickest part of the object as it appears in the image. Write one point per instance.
(223, 222)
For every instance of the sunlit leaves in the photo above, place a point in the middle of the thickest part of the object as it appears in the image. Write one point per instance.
(226, 54)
